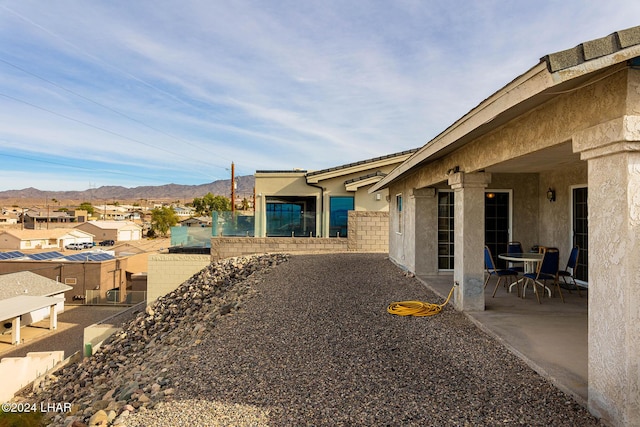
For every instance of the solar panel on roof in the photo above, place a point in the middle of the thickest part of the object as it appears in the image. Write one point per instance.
(11, 255)
(45, 255)
(89, 256)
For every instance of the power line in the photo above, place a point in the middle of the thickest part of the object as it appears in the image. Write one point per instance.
(113, 110)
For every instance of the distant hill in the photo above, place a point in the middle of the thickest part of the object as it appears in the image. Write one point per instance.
(171, 192)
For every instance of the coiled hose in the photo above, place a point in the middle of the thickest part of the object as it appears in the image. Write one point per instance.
(417, 308)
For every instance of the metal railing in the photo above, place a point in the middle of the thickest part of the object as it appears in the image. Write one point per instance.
(114, 297)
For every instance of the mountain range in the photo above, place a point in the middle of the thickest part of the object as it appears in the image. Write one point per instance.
(172, 192)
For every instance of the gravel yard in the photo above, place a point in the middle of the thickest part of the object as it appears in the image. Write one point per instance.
(316, 346)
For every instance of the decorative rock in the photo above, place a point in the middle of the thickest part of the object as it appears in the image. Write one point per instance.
(100, 418)
(130, 362)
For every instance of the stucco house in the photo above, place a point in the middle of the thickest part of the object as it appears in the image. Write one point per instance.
(552, 159)
(56, 238)
(31, 284)
(112, 230)
(300, 203)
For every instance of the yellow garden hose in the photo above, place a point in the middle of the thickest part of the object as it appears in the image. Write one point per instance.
(417, 308)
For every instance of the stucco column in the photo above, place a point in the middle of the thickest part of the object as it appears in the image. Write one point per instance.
(469, 239)
(426, 230)
(15, 330)
(612, 150)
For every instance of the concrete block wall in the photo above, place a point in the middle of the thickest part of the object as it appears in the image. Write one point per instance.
(226, 247)
(168, 271)
(368, 231)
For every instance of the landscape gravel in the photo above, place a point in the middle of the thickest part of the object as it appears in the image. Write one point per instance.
(308, 342)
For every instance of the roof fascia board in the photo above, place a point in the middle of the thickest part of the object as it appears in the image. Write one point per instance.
(315, 179)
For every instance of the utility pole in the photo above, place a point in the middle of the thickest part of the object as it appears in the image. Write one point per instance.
(233, 189)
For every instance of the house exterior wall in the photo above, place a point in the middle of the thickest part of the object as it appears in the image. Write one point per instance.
(99, 233)
(81, 276)
(376, 202)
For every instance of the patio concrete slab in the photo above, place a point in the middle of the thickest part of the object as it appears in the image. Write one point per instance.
(551, 337)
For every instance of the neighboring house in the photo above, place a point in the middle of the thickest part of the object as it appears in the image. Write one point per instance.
(91, 276)
(183, 212)
(56, 238)
(8, 218)
(551, 159)
(310, 204)
(200, 221)
(26, 283)
(112, 230)
(36, 218)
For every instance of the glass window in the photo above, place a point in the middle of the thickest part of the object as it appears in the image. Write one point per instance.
(399, 212)
(339, 208)
(445, 230)
(496, 224)
(581, 233)
(290, 216)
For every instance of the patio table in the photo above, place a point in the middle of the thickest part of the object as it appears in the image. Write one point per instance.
(530, 260)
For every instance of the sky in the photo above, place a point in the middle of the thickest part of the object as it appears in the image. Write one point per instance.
(153, 92)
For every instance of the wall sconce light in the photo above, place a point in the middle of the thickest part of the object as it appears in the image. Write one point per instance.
(378, 196)
(551, 195)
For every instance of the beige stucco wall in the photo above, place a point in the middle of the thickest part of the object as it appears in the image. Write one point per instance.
(168, 271)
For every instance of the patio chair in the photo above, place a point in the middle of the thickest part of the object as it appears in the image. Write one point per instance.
(569, 270)
(547, 270)
(490, 266)
(515, 248)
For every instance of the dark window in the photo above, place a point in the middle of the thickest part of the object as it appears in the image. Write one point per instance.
(496, 224)
(339, 208)
(445, 230)
(581, 233)
(291, 216)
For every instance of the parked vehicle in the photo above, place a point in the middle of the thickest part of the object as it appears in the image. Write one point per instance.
(107, 243)
(88, 245)
(75, 246)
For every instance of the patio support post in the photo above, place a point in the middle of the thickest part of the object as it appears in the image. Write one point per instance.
(469, 239)
(426, 230)
(15, 330)
(612, 150)
(53, 317)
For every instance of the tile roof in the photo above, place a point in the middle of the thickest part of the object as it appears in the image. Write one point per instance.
(363, 162)
(362, 178)
(593, 49)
